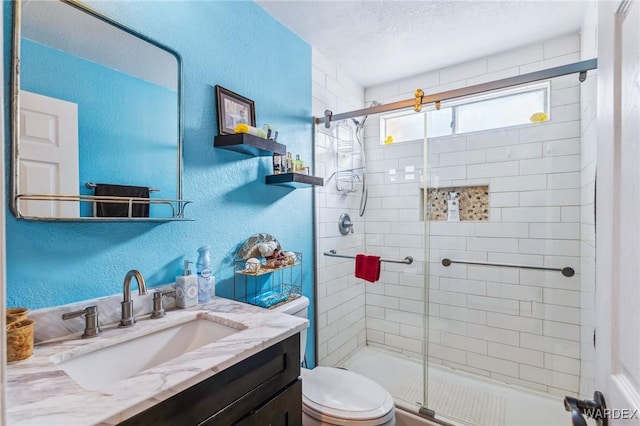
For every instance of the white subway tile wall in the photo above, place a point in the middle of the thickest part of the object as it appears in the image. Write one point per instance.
(340, 296)
(525, 327)
(517, 326)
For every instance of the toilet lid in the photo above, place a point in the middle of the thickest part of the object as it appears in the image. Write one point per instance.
(344, 394)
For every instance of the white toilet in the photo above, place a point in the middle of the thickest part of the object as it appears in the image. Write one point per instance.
(334, 396)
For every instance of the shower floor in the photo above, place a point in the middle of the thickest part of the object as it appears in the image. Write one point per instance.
(457, 397)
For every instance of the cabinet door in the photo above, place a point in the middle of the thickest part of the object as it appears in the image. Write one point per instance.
(283, 410)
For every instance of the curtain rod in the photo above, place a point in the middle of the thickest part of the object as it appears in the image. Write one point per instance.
(577, 67)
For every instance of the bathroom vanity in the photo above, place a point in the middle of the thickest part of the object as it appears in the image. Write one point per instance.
(246, 375)
(262, 389)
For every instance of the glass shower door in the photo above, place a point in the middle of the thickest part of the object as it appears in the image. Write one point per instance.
(508, 332)
(375, 329)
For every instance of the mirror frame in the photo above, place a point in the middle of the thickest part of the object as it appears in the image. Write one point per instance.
(178, 205)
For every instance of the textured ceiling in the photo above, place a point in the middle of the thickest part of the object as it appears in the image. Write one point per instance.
(380, 41)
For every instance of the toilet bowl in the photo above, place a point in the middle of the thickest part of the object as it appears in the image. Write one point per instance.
(334, 396)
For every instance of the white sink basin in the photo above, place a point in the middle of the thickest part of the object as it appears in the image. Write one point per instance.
(107, 365)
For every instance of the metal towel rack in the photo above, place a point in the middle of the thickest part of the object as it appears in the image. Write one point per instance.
(92, 185)
(407, 260)
(567, 271)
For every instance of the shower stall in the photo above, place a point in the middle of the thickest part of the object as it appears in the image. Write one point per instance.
(492, 323)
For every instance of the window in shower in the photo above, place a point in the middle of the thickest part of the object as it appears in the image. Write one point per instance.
(403, 126)
(498, 109)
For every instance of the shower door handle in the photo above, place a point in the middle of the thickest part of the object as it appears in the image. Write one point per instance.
(595, 409)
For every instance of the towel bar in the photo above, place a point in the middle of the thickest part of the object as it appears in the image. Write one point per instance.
(407, 260)
(92, 185)
(567, 271)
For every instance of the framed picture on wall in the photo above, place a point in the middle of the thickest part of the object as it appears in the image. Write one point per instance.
(233, 109)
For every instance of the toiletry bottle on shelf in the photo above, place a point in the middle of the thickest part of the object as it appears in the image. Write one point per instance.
(186, 288)
(289, 163)
(205, 277)
(453, 206)
(276, 164)
(267, 130)
(297, 164)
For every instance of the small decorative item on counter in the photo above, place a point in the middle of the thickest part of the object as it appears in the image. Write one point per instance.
(206, 281)
(276, 260)
(19, 340)
(268, 299)
(245, 128)
(453, 206)
(265, 274)
(388, 140)
(252, 265)
(266, 249)
(16, 314)
(186, 288)
(291, 257)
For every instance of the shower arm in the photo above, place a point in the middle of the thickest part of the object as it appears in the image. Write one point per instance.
(577, 67)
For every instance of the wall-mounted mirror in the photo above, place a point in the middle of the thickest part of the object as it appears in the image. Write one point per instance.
(96, 118)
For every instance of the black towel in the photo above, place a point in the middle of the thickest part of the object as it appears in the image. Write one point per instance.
(138, 209)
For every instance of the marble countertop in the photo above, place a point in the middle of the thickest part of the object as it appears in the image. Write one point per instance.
(40, 393)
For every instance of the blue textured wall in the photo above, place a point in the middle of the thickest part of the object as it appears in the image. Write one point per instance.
(108, 124)
(240, 47)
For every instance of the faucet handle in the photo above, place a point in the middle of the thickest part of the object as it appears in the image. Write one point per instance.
(91, 323)
(158, 308)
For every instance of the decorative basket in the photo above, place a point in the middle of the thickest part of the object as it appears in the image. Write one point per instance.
(16, 314)
(19, 340)
(266, 280)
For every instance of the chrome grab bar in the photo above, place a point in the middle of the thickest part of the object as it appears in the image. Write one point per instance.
(407, 260)
(566, 271)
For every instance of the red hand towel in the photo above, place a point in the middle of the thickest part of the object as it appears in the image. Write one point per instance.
(368, 267)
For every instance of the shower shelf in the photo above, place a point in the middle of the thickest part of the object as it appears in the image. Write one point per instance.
(294, 180)
(249, 144)
(341, 140)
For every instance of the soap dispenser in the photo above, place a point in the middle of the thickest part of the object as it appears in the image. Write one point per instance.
(186, 288)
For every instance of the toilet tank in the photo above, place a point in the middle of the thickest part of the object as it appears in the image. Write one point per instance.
(298, 307)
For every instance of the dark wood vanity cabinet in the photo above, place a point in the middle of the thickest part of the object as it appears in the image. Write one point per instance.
(264, 389)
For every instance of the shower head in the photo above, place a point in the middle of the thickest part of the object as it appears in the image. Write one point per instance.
(360, 124)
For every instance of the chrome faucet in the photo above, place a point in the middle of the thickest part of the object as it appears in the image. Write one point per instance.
(126, 319)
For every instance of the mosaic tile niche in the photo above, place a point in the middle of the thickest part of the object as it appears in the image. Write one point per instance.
(474, 202)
